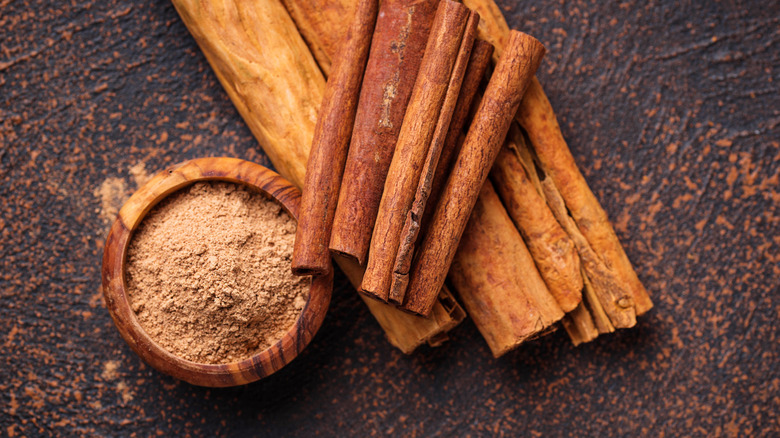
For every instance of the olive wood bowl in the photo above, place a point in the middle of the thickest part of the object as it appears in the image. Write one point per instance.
(253, 368)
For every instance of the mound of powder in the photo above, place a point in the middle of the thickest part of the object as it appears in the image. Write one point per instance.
(208, 273)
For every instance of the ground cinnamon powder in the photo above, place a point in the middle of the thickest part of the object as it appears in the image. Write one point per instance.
(208, 273)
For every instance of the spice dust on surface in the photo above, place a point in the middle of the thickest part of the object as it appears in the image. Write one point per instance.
(208, 273)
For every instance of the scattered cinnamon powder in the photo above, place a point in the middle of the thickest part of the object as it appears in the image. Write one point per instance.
(208, 273)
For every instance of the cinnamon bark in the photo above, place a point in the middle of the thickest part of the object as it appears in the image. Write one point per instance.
(313, 22)
(493, 27)
(401, 33)
(483, 141)
(542, 127)
(579, 325)
(537, 117)
(254, 49)
(497, 281)
(475, 72)
(411, 228)
(592, 303)
(612, 297)
(332, 134)
(414, 140)
(551, 247)
(400, 326)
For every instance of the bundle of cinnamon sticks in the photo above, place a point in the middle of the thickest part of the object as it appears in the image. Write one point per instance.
(425, 169)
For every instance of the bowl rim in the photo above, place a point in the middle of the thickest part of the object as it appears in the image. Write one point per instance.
(166, 182)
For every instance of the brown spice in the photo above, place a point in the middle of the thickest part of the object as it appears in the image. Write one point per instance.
(208, 273)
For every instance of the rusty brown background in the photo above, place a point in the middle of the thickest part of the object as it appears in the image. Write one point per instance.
(671, 108)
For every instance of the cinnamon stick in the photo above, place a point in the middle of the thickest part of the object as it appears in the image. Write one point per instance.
(332, 134)
(592, 303)
(313, 23)
(626, 294)
(493, 27)
(483, 141)
(255, 50)
(401, 327)
(475, 72)
(411, 227)
(497, 281)
(552, 249)
(611, 296)
(402, 30)
(579, 325)
(414, 140)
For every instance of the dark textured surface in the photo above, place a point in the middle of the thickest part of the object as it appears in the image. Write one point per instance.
(672, 111)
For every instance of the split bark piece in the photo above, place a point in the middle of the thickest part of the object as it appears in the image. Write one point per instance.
(497, 281)
(483, 142)
(332, 133)
(401, 33)
(414, 140)
(591, 300)
(400, 326)
(551, 247)
(411, 226)
(475, 72)
(579, 325)
(614, 299)
(312, 21)
(538, 118)
(252, 61)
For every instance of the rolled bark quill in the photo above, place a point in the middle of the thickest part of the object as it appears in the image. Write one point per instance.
(579, 325)
(585, 322)
(402, 30)
(493, 27)
(486, 134)
(411, 226)
(497, 280)
(417, 130)
(446, 315)
(433, 183)
(607, 296)
(252, 61)
(475, 72)
(254, 50)
(311, 255)
(321, 42)
(552, 249)
(543, 128)
(620, 292)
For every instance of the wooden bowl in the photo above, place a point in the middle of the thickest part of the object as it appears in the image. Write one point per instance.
(130, 216)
